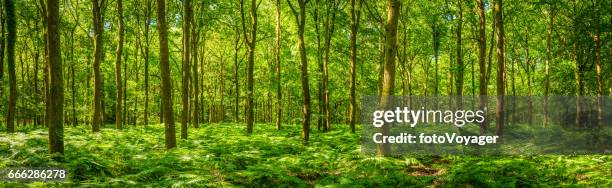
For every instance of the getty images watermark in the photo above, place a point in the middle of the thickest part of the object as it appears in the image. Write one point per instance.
(469, 125)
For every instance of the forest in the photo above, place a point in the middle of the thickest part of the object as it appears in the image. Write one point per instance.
(271, 93)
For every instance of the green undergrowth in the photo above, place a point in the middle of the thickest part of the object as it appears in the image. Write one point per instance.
(222, 155)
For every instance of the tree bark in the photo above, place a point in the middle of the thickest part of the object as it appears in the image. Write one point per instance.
(98, 22)
(166, 90)
(330, 20)
(195, 31)
(460, 65)
(187, 15)
(482, 47)
(277, 56)
(300, 18)
(11, 29)
(56, 100)
(146, 62)
(499, 37)
(598, 63)
(386, 100)
(355, 15)
(250, 41)
(118, 79)
(549, 60)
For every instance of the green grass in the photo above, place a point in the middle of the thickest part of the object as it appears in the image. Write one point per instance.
(221, 155)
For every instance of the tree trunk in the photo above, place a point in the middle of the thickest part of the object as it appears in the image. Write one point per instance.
(499, 37)
(393, 7)
(187, 15)
(549, 60)
(277, 56)
(250, 41)
(118, 79)
(56, 89)
(460, 64)
(195, 84)
(300, 18)
(329, 24)
(11, 29)
(166, 88)
(146, 62)
(237, 46)
(355, 15)
(98, 22)
(599, 65)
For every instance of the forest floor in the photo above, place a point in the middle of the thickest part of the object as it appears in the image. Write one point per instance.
(221, 155)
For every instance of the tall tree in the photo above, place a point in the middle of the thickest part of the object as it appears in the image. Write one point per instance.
(164, 66)
(329, 26)
(250, 40)
(98, 21)
(147, 22)
(355, 15)
(277, 58)
(499, 39)
(55, 116)
(187, 16)
(482, 47)
(195, 31)
(598, 62)
(11, 29)
(118, 79)
(551, 13)
(460, 65)
(393, 7)
(300, 18)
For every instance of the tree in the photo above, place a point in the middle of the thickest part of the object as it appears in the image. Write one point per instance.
(300, 18)
(55, 116)
(9, 6)
(98, 21)
(250, 42)
(355, 15)
(499, 39)
(549, 58)
(460, 65)
(166, 88)
(482, 47)
(118, 80)
(148, 12)
(277, 58)
(187, 16)
(329, 25)
(195, 31)
(393, 7)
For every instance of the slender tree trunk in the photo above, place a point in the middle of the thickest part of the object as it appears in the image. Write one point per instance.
(237, 46)
(577, 69)
(11, 29)
(460, 64)
(166, 90)
(499, 37)
(195, 84)
(277, 55)
(250, 41)
(187, 15)
(300, 18)
(56, 101)
(118, 79)
(98, 22)
(146, 62)
(355, 15)
(2, 46)
(393, 7)
(549, 60)
(598, 63)
(330, 20)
